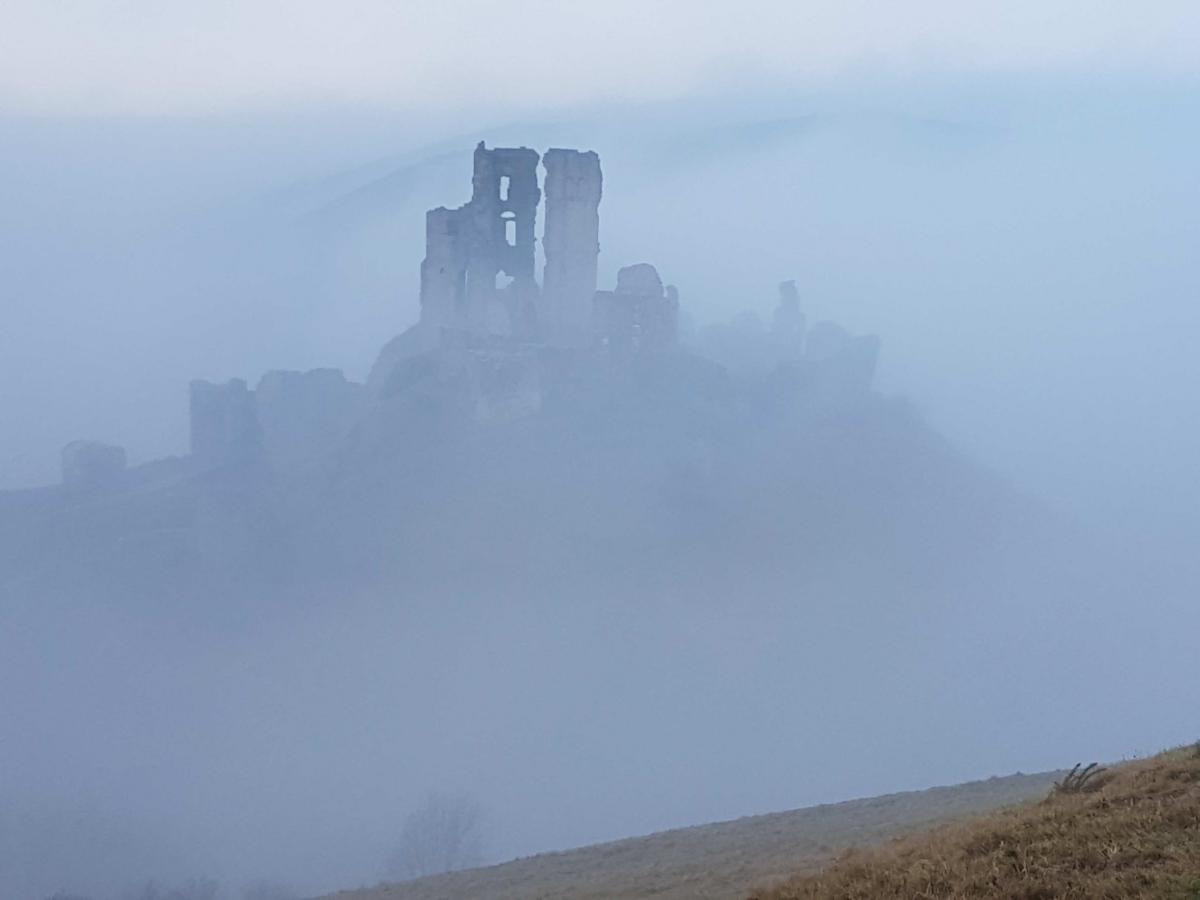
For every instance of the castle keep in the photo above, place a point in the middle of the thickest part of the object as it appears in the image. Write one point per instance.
(478, 277)
(572, 242)
(478, 272)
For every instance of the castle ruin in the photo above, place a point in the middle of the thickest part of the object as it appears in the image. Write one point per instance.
(478, 277)
(572, 242)
(492, 342)
(478, 272)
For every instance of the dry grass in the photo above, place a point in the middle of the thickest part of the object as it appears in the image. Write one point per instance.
(1135, 832)
(719, 861)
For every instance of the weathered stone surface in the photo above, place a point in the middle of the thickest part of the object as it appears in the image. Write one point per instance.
(639, 280)
(90, 464)
(470, 250)
(304, 415)
(224, 423)
(574, 186)
(478, 275)
(444, 269)
(639, 315)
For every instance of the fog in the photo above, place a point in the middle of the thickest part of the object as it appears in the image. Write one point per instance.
(601, 623)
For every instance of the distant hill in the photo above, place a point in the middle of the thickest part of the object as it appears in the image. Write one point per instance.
(720, 861)
(1129, 831)
(687, 475)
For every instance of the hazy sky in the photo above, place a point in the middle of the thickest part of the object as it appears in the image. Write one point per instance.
(1004, 192)
(167, 56)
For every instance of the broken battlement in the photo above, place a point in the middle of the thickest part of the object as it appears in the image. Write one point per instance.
(478, 275)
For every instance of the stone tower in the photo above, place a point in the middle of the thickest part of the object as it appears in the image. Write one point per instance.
(571, 244)
(478, 272)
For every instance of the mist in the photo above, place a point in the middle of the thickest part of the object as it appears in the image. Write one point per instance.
(600, 623)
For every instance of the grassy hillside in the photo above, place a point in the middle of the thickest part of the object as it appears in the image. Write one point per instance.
(1132, 832)
(720, 860)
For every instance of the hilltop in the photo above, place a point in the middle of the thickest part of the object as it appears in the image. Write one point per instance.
(1131, 832)
(721, 860)
(536, 432)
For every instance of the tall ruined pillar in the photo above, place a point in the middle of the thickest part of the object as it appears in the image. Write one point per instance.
(444, 269)
(503, 216)
(469, 249)
(571, 243)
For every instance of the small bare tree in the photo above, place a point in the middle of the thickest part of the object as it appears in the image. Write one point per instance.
(442, 835)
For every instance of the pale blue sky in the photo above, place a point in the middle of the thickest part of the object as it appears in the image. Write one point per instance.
(166, 56)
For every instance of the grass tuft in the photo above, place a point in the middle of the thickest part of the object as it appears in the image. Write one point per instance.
(1081, 780)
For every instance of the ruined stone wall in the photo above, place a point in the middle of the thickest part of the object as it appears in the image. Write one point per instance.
(469, 248)
(574, 185)
(91, 464)
(640, 315)
(444, 269)
(478, 275)
(304, 416)
(224, 423)
(505, 198)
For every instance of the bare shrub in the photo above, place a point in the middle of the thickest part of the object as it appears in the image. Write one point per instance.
(441, 835)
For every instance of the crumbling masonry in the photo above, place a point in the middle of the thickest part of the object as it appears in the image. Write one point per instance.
(492, 342)
(478, 273)
(571, 244)
(477, 279)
